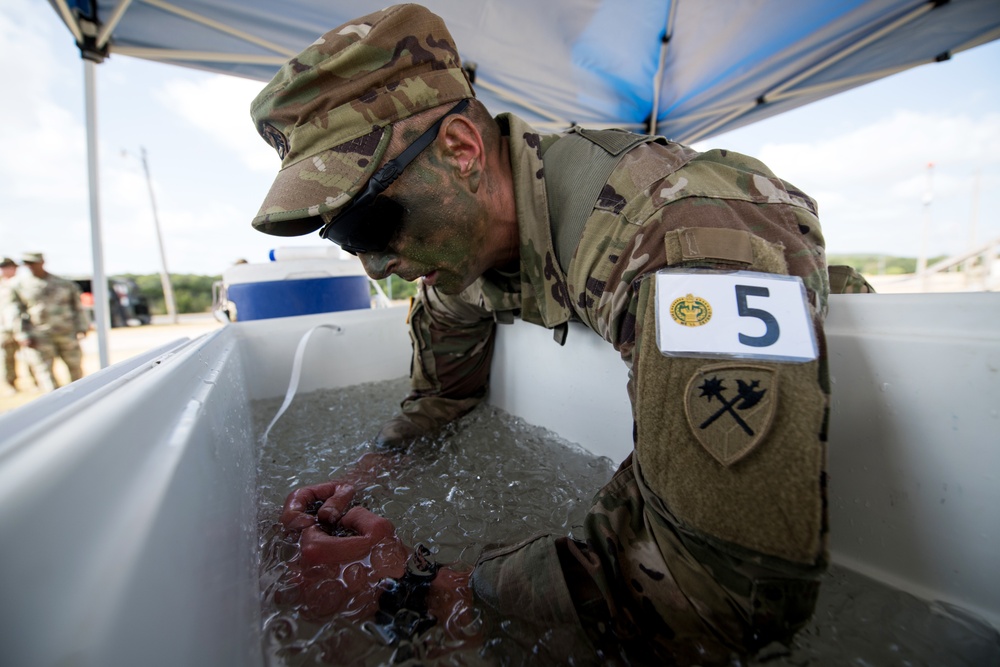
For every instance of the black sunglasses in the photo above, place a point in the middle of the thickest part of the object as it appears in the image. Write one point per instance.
(368, 222)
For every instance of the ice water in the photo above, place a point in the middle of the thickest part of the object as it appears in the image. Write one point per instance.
(491, 478)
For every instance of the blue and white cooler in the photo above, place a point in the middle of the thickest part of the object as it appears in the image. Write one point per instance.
(297, 282)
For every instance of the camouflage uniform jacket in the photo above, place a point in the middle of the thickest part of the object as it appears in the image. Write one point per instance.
(657, 192)
(52, 305)
(12, 315)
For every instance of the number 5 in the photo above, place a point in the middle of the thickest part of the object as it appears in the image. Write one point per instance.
(772, 331)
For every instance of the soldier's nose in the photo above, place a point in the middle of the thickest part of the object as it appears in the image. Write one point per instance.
(378, 265)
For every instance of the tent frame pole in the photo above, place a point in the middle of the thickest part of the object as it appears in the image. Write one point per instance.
(67, 17)
(221, 27)
(511, 97)
(169, 55)
(109, 26)
(657, 84)
(668, 32)
(835, 86)
(98, 283)
(818, 67)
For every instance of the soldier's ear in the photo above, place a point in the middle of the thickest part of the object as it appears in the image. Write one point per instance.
(462, 146)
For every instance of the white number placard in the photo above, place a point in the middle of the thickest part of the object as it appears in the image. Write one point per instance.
(740, 314)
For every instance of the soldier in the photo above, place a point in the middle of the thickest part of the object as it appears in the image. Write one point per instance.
(11, 324)
(710, 539)
(57, 322)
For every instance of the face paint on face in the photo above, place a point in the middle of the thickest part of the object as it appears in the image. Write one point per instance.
(443, 236)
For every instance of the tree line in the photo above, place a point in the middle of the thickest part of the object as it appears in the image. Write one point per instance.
(877, 265)
(192, 293)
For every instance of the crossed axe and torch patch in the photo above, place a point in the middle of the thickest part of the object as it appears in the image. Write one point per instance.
(730, 408)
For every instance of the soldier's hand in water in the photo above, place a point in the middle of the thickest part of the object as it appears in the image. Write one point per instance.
(347, 573)
(340, 573)
(326, 502)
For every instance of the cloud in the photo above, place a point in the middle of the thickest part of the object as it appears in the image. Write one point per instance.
(43, 144)
(902, 143)
(45, 156)
(871, 182)
(220, 106)
(29, 66)
(43, 182)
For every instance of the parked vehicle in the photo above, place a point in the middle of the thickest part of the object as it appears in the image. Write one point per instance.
(125, 302)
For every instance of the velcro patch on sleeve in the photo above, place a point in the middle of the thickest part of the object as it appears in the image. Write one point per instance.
(728, 245)
(724, 247)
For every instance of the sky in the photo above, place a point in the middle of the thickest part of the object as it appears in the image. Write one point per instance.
(863, 155)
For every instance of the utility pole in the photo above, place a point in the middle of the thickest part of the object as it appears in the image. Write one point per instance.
(970, 264)
(168, 290)
(928, 199)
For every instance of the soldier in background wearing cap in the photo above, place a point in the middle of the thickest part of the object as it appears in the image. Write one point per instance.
(710, 539)
(57, 322)
(12, 322)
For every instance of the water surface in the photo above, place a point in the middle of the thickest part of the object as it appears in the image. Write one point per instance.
(491, 478)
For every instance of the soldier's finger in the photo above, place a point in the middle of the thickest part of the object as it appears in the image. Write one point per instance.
(335, 506)
(365, 523)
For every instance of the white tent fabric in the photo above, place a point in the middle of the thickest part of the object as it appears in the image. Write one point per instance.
(687, 69)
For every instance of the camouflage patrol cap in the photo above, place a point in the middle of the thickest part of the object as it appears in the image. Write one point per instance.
(7, 261)
(328, 111)
(32, 258)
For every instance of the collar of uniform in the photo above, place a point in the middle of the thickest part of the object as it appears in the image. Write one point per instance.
(500, 290)
(543, 288)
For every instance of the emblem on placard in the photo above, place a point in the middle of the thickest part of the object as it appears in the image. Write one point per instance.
(730, 408)
(690, 311)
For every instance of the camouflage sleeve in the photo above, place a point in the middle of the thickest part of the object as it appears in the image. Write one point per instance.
(452, 341)
(670, 570)
(80, 322)
(848, 280)
(14, 315)
(530, 589)
(8, 309)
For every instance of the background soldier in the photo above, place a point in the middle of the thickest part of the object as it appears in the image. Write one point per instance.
(11, 324)
(57, 322)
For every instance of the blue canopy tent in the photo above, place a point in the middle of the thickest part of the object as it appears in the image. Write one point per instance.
(683, 68)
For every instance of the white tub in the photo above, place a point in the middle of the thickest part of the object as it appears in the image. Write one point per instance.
(127, 508)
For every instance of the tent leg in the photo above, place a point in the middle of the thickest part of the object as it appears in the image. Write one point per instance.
(98, 283)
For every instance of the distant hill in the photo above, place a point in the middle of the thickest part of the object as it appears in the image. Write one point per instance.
(875, 265)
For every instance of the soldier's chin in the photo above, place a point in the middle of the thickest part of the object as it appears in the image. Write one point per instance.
(446, 283)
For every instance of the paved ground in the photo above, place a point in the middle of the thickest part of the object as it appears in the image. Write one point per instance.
(123, 343)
